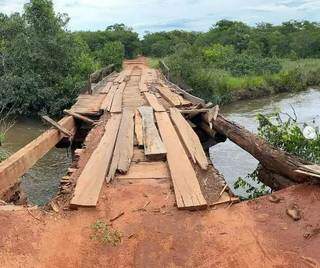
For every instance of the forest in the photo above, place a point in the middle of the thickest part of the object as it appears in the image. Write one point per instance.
(44, 65)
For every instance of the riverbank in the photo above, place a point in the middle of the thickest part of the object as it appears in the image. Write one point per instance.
(220, 87)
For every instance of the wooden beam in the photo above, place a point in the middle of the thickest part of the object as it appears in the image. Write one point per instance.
(80, 117)
(186, 186)
(190, 139)
(89, 183)
(153, 145)
(20, 162)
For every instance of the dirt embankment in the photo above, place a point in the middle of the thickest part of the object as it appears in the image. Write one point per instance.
(251, 234)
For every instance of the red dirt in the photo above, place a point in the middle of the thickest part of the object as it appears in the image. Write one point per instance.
(251, 234)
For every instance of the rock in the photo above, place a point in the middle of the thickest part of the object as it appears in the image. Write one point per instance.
(294, 212)
(273, 199)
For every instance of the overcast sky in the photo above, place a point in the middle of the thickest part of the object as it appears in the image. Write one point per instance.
(157, 15)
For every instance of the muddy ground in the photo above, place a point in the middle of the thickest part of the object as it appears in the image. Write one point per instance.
(250, 234)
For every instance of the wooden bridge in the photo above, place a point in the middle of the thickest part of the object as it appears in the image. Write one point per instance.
(139, 126)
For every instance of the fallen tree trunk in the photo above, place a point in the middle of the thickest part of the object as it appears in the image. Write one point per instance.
(271, 158)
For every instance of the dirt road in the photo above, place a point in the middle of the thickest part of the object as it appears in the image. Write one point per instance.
(251, 234)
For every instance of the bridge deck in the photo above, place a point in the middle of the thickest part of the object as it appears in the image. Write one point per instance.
(168, 145)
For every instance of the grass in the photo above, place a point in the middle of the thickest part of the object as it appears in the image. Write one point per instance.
(306, 64)
(153, 63)
(102, 232)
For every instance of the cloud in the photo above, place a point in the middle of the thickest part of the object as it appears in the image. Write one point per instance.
(156, 15)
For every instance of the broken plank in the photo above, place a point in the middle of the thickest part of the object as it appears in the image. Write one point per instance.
(153, 101)
(117, 99)
(79, 116)
(147, 170)
(189, 138)
(107, 102)
(90, 181)
(123, 151)
(186, 186)
(153, 145)
(20, 162)
(56, 125)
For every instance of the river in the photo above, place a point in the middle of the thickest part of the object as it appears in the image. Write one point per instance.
(42, 181)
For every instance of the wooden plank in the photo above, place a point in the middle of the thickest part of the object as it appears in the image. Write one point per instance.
(147, 170)
(123, 151)
(153, 145)
(126, 134)
(91, 179)
(138, 128)
(56, 125)
(117, 100)
(107, 88)
(107, 102)
(20, 162)
(79, 116)
(153, 101)
(189, 138)
(186, 186)
(169, 96)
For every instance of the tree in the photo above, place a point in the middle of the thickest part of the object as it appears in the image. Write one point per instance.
(112, 53)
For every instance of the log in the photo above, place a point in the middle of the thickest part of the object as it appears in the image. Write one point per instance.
(271, 158)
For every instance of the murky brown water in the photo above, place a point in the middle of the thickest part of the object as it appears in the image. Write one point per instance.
(42, 181)
(230, 159)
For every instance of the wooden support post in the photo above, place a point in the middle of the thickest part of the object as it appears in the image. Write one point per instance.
(57, 125)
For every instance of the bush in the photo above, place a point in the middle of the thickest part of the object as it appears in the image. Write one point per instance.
(112, 53)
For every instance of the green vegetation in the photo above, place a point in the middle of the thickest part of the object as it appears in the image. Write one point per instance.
(287, 135)
(44, 66)
(233, 60)
(103, 233)
(284, 134)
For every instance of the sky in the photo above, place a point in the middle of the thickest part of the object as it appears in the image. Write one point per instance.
(165, 15)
